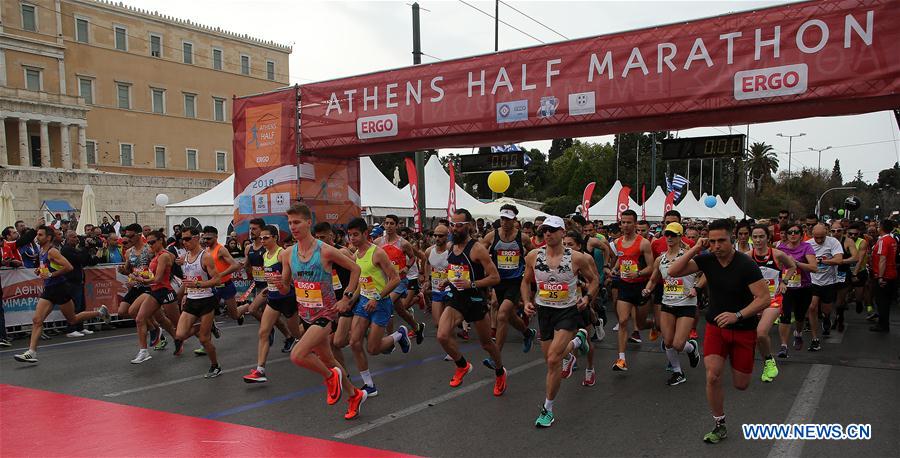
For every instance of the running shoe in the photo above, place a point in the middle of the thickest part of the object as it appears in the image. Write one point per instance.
(420, 333)
(74, 334)
(464, 335)
(333, 386)
(200, 352)
(87, 331)
(288, 344)
(716, 435)
(654, 334)
(240, 320)
(770, 371)
(826, 325)
(620, 365)
(179, 348)
(528, 340)
(783, 352)
(616, 327)
(694, 356)
(162, 343)
(404, 339)
(459, 374)
(814, 345)
(354, 403)
(545, 419)
(635, 337)
(213, 372)
(215, 331)
(693, 334)
(143, 355)
(585, 343)
(5, 343)
(255, 376)
(798, 342)
(489, 363)
(872, 316)
(27, 357)
(677, 378)
(589, 378)
(568, 365)
(599, 331)
(155, 335)
(500, 383)
(104, 313)
(371, 391)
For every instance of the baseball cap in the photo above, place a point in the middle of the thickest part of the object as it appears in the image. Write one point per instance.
(507, 213)
(674, 227)
(377, 231)
(554, 221)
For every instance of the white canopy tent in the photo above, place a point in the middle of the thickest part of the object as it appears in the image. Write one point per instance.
(733, 209)
(690, 208)
(212, 208)
(437, 192)
(605, 208)
(492, 210)
(378, 195)
(654, 206)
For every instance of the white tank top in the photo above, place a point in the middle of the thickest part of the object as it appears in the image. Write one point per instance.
(438, 261)
(675, 289)
(556, 287)
(195, 271)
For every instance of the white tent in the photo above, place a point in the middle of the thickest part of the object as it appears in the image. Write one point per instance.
(690, 208)
(714, 212)
(437, 191)
(492, 210)
(654, 206)
(379, 196)
(605, 208)
(733, 208)
(212, 208)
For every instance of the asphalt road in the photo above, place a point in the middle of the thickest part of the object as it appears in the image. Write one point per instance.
(853, 380)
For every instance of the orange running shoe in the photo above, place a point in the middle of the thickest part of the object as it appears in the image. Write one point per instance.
(500, 384)
(354, 403)
(620, 365)
(333, 386)
(460, 373)
(654, 334)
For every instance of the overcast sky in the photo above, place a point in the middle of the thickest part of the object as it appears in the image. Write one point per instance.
(334, 39)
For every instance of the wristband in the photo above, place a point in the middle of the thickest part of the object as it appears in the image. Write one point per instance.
(738, 315)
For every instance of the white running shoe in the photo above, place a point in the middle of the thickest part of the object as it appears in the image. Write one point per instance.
(616, 327)
(74, 334)
(87, 331)
(143, 355)
(599, 331)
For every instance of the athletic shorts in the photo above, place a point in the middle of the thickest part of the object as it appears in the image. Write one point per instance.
(615, 282)
(471, 305)
(286, 305)
(631, 293)
(552, 319)
(509, 289)
(658, 294)
(681, 311)
(260, 287)
(826, 293)
(861, 279)
(401, 288)
(412, 284)
(439, 296)
(322, 322)
(736, 345)
(200, 307)
(225, 291)
(134, 293)
(57, 294)
(382, 313)
(796, 301)
(163, 296)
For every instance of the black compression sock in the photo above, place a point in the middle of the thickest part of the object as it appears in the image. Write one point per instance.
(461, 362)
(499, 371)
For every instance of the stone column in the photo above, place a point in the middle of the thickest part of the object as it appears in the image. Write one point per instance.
(24, 152)
(64, 142)
(45, 146)
(82, 148)
(4, 157)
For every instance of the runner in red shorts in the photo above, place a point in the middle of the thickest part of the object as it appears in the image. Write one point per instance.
(737, 293)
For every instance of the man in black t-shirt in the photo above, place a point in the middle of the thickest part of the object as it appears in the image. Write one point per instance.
(737, 293)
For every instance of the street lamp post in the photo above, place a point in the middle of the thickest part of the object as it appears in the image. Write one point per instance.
(790, 151)
(819, 202)
(820, 154)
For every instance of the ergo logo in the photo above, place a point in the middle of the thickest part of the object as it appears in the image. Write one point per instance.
(376, 126)
(770, 82)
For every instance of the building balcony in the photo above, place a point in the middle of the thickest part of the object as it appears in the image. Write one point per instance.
(43, 98)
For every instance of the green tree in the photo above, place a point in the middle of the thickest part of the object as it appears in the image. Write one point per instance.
(559, 146)
(762, 162)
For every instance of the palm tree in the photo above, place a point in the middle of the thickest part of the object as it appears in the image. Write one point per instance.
(763, 162)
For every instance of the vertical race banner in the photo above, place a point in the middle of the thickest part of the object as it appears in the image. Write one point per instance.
(622, 203)
(414, 190)
(265, 158)
(643, 201)
(330, 187)
(451, 197)
(586, 200)
(670, 203)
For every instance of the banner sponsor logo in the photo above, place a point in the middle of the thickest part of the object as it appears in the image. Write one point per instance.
(582, 103)
(547, 107)
(263, 136)
(770, 82)
(376, 126)
(516, 110)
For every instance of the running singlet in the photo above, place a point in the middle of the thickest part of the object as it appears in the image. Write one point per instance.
(509, 257)
(371, 278)
(257, 265)
(272, 269)
(438, 261)
(221, 265)
(164, 282)
(48, 267)
(196, 271)
(844, 269)
(339, 277)
(675, 289)
(312, 286)
(397, 257)
(630, 259)
(556, 287)
(140, 261)
(770, 271)
(461, 273)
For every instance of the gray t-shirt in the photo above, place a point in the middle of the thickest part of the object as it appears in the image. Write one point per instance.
(829, 248)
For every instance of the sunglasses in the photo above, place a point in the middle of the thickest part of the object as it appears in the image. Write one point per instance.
(187, 239)
(550, 229)
(151, 241)
(265, 237)
(853, 234)
(671, 234)
(836, 230)
(794, 232)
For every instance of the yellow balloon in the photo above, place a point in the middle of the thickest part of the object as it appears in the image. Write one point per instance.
(498, 181)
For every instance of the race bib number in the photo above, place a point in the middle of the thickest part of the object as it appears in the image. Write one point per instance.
(553, 292)
(44, 270)
(258, 273)
(674, 288)
(628, 266)
(794, 280)
(272, 279)
(508, 259)
(437, 277)
(309, 294)
(367, 287)
(143, 272)
(195, 290)
(772, 286)
(336, 281)
(459, 276)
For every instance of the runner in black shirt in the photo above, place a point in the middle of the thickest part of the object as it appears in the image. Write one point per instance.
(737, 293)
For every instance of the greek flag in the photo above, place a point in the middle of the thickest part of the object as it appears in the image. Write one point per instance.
(677, 184)
(511, 149)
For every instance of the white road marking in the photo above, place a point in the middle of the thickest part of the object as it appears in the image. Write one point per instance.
(804, 409)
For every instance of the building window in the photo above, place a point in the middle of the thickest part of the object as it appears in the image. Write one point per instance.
(192, 159)
(90, 147)
(270, 70)
(158, 97)
(221, 166)
(29, 18)
(121, 38)
(218, 109)
(123, 95)
(160, 152)
(217, 58)
(188, 51)
(155, 45)
(86, 90)
(33, 79)
(126, 154)
(81, 30)
(245, 64)
(190, 106)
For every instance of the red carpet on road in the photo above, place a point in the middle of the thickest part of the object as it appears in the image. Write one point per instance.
(42, 423)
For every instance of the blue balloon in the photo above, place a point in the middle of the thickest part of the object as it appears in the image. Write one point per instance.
(710, 201)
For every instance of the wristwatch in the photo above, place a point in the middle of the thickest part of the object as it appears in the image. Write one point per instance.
(738, 315)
